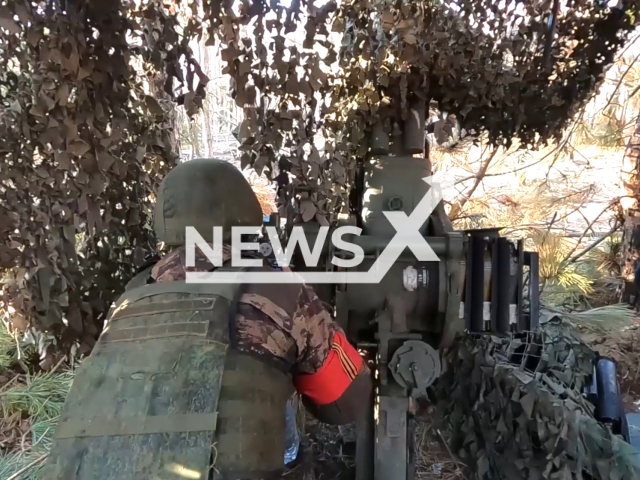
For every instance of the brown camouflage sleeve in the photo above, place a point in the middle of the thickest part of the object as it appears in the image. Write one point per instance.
(260, 336)
(320, 329)
(292, 311)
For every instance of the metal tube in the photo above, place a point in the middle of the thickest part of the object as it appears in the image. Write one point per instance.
(520, 292)
(414, 128)
(474, 290)
(379, 140)
(365, 440)
(608, 406)
(391, 456)
(504, 278)
(371, 244)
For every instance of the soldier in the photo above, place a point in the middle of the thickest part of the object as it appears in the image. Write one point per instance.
(191, 380)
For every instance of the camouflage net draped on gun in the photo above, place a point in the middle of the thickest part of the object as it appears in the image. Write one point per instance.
(529, 423)
(516, 70)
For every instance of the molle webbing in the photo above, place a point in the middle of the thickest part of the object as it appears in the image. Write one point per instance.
(227, 291)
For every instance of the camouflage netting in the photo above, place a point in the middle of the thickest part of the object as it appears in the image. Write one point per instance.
(264, 190)
(513, 70)
(516, 418)
(86, 90)
(86, 137)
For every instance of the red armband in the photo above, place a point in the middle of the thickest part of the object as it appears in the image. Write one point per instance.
(340, 368)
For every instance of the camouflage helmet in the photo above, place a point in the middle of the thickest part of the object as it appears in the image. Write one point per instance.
(204, 193)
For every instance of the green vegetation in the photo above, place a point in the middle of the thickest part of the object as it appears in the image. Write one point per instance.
(30, 405)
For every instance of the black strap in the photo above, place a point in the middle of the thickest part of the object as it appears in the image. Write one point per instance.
(233, 314)
(141, 279)
(233, 307)
(148, 263)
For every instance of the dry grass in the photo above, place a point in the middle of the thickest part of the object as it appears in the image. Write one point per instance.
(434, 460)
(328, 453)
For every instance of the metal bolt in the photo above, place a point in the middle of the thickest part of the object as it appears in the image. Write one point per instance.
(395, 204)
(265, 249)
(414, 367)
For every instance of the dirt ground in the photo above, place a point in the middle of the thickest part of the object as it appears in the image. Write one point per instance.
(328, 453)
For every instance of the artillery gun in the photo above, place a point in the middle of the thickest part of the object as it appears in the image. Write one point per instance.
(482, 283)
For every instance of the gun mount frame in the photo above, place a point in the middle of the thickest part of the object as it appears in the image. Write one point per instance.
(483, 283)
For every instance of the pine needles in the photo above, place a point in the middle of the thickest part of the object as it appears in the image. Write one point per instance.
(30, 406)
(553, 250)
(7, 343)
(12, 464)
(40, 398)
(41, 395)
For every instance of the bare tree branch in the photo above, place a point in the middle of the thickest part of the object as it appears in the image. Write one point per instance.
(585, 232)
(589, 224)
(579, 153)
(497, 174)
(457, 208)
(596, 243)
(469, 169)
(634, 91)
(630, 43)
(566, 141)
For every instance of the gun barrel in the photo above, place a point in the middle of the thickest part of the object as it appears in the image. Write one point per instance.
(375, 244)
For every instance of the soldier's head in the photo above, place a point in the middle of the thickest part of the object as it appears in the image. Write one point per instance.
(204, 193)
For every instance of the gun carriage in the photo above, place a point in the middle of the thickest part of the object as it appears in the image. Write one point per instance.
(483, 283)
